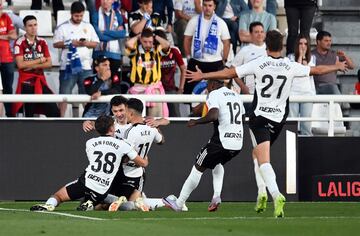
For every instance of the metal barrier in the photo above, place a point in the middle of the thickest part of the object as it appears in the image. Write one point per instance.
(174, 98)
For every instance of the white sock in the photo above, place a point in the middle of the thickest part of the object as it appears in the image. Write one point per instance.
(190, 184)
(110, 199)
(269, 177)
(154, 203)
(259, 179)
(218, 177)
(52, 201)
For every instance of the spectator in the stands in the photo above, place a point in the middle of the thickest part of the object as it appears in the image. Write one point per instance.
(229, 11)
(271, 6)
(298, 12)
(168, 68)
(32, 57)
(142, 18)
(184, 11)
(165, 8)
(145, 52)
(100, 84)
(302, 86)
(76, 39)
(257, 13)
(7, 33)
(57, 5)
(108, 25)
(324, 55)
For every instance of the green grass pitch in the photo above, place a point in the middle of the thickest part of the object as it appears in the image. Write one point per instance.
(326, 218)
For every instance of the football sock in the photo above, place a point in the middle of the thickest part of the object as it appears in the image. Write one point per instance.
(269, 177)
(190, 184)
(259, 179)
(154, 203)
(52, 201)
(218, 177)
(110, 199)
(127, 206)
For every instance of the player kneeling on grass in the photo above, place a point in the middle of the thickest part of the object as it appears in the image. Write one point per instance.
(225, 111)
(105, 154)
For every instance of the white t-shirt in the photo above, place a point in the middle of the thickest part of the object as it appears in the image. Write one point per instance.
(229, 12)
(273, 79)
(187, 6)
(105, 154)
(222, 34)
(120, 130)
(246, 54)
(70, 31)
(140, 136)
(303, 85)
(231, 109)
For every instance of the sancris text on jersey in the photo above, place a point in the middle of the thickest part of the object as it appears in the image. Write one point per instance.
(105, 154)
(273, 79)
(228, 129)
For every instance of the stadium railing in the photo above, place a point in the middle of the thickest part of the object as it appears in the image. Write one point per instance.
(330, 99)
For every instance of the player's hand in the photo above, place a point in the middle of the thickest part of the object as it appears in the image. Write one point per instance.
(88, 125)
(194, 76)
(342, 66)
(150, 121)
(191, 123)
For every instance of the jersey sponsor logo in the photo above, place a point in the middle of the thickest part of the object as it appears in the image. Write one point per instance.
(269, 109)
(276, 64)
(32, 56)
(232, 135)
(109, 143)
(105, 182)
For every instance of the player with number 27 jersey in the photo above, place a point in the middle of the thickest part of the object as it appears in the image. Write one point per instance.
(105, 154)
(228, 129)
(273, 78)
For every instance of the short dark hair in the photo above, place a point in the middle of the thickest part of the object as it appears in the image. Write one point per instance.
(27, 18)
(321, 34)
(215, 1)
(118, 100)
(161, 33)
(274, 41)
(144, 1)
(100, 59)
(136, 105)
(77, 7)
(254, 24)
(103, 124)
(147, 33)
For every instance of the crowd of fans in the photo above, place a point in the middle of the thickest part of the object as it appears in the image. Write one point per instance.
(157, 36)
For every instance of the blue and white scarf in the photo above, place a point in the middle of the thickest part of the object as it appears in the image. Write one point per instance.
(211, 41)
(73, 63)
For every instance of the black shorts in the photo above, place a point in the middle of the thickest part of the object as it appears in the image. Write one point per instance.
(77, 190)
(125, 186)
(213, 154)
(263, 129)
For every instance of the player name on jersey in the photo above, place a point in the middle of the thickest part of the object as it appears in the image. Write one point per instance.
(273, 63)
(103, 142)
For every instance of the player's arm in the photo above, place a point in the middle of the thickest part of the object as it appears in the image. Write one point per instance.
(211, 116)
(242, 85)
(324, 69)
(142, 162)
(88, 125)
(198, 75)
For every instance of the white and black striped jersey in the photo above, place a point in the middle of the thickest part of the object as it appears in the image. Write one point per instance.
(141, 137)
(228, 129)
(120, 129)
(105, 154)
(273, 79)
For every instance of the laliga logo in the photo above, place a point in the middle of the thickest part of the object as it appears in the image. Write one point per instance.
(339, 189)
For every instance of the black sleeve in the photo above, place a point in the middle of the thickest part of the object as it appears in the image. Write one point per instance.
(91, 87)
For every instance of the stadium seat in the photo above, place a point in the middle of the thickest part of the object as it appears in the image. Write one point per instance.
(65, 15)
(54, 52)
(44, 21)
(321, 110)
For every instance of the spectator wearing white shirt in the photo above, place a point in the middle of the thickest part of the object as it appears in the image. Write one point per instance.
(206, 42)
(81, 35)
(184, 11)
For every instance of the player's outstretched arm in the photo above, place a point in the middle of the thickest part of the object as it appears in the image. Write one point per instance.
(324, 69)
(198, 75)
(88, 125)
(211, 116)
(150, 121)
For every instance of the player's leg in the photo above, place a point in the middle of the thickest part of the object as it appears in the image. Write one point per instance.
(218, 177)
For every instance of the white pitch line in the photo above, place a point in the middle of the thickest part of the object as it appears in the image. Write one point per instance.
(54, 213)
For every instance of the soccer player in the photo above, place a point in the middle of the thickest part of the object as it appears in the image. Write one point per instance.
(105, 154)
(141, 136)
(225, 111)
(273, 77)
